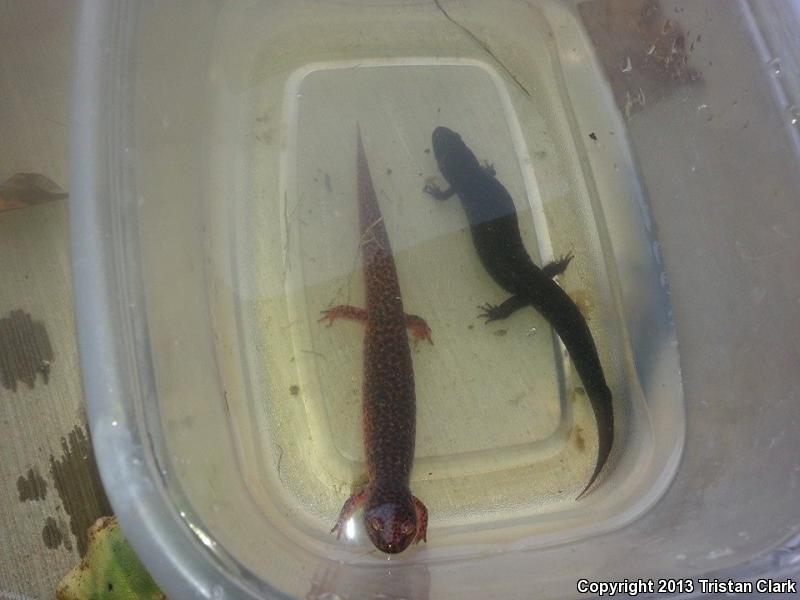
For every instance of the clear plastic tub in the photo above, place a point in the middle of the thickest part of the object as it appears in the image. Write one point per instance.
(215, 215)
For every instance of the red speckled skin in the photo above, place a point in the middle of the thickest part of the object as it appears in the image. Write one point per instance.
(393, 517)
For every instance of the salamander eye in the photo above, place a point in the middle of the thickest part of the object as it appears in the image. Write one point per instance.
(407, 528)
(376, 523)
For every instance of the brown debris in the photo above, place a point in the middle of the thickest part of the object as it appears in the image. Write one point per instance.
(28, 189)
(644, 54)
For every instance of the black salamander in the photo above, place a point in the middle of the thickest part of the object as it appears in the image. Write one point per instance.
(495, 233)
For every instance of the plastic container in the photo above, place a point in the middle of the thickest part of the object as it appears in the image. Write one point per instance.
(215, 215)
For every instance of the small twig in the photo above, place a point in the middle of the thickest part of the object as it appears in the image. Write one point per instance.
(483, 45)
(369, 231)
(315, 353)
(287, 216)
(362, 240)
(280, 458)
(286, 259)
(345, 283)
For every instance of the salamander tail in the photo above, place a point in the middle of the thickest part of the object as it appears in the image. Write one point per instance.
(601, 402)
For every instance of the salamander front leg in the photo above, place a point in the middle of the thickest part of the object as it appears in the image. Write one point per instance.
(344, 311)
(419, 329)
(493, 312)
(557, 267)
(433, 190)
(353, 503)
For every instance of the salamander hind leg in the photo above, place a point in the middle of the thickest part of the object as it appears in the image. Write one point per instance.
(493, 312)
(422, 521)
(557, 267)
(343, 311)
(353, 503)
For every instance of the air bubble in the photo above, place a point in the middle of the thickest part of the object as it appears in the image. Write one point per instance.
(794, 116)
(775, 66)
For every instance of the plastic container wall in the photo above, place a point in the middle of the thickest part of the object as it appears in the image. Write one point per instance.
(716, 179)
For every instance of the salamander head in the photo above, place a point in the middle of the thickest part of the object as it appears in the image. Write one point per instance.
(391, 520)
(444, 138)
(455, 160)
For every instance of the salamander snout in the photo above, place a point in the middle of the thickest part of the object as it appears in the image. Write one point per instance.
(455, 161)
(442, 139)
(391, 525)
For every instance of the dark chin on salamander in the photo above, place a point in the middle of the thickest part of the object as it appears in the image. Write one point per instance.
(390, 520)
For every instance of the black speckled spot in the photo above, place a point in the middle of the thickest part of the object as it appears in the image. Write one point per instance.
(77, 482)
(51, 534)
(32, 487)
(25, 350)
